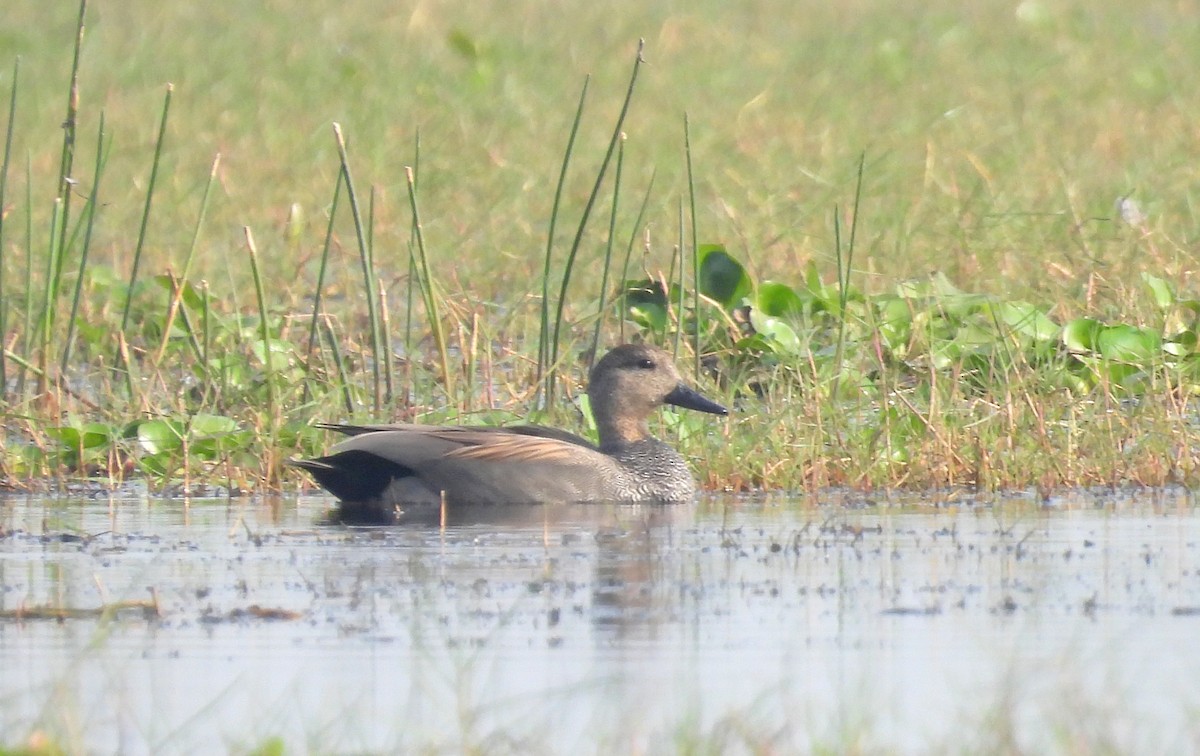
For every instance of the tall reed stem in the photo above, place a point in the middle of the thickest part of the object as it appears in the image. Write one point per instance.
(608, 250)
(93, 204)
(368, 264)
(687, 149)
(633, 236)
(427, 288)
(319, 291)
(264, 327)
(141, 240)
(544, 370)
(67, 159)
(8, 137)
(179, 285)
(587, 212)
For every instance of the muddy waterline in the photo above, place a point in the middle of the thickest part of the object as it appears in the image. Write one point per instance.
(733, 624)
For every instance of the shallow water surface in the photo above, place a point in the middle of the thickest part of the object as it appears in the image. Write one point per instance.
(731, 624)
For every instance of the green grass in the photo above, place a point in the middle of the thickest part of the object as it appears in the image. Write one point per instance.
(992, 145)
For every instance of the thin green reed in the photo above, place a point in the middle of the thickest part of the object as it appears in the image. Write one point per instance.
(46, 319)
(412, 259)
(587, 212)
(687, 149)
(633, 236)
(368, 264)
(264, 327)
(206, 342)
(182, 283)
(338, 363)
(93, 204)
(29, 335)
(67, 160)
(608, 250)
(56, 248)
(141, 240)
(319, 291)
(544, 326)
(681, 270)
(427, 288)
(8, 137)
(385, 347)
(843, 267)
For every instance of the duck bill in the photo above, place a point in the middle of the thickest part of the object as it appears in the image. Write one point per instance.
(688, 398)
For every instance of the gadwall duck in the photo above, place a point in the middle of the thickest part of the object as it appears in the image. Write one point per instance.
(384, 467)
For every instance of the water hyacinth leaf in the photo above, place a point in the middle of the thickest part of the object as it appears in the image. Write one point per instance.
(1028, 320)
(646, 304)
(1126, 376)
(83, 436)
(1126, 343)
(213, 446)
(98, 435)
(1081, 335)
(1164, 295)
(778, 300)
(779, 335)
(159, 436)
(65, 435)
(212, 425)
(649, 316)
(893, 317)
(722, 278)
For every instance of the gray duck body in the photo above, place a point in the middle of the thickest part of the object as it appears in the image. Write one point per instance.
(380, 468)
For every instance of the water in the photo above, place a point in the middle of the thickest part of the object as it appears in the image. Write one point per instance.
(730, 625)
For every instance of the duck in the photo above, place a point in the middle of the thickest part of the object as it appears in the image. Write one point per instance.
(380, 470)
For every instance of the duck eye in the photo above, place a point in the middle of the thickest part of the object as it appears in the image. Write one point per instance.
(645, 364)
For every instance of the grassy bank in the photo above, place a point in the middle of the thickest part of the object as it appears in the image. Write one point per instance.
(936, 245)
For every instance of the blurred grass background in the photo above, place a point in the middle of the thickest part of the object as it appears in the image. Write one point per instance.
(998, 135)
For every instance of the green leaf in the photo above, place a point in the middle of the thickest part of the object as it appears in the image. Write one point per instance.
(1028, 320)
(1126, 343)
(1163, 295)
(159, 436)
(779, 334)
(778, 299)
(721, 277)
(1082, 334)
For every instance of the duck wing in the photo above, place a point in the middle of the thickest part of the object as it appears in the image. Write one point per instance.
(540, 431)
(415, 464)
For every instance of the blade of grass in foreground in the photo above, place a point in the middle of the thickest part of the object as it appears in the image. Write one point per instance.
(546, 389)
(264, 328)
(49, 296)
(67, 159)
(608, 250)
(141, 240)
(633, 236)
(587, 212)
(182, 282)
(368, 265)
(93, 203)
(412, 259)
(427, 292)
(843, 270)
(687, 149)
(8, 137)
(679, 288)
(320, 287)
(28, 330)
